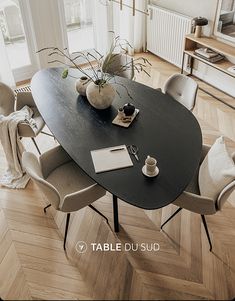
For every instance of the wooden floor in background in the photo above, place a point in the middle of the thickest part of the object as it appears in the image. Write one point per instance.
(33, 264)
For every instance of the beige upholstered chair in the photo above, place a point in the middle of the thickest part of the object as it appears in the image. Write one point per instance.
(119, 64)
(193, 201)
(25, 130)
(182, 88)
(8, 105)
(65, 186)
(7, 100)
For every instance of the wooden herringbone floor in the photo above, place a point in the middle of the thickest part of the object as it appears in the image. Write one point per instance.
(33, 264)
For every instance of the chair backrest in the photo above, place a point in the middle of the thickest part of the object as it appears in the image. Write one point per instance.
(183, 89)
(33, 169)
(119, 64)
(7, 100)
(226, 192)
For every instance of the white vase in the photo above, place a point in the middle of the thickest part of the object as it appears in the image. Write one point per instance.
(100, 97)
(81, 85)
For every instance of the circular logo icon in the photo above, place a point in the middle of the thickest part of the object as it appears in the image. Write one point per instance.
(81, 247)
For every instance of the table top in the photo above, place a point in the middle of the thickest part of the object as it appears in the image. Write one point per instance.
(164, 129)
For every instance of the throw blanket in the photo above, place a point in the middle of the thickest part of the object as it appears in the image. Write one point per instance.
(15, 177)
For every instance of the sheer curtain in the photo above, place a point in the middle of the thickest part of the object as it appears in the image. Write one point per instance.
(108, 17)
(6, 75)
(129, 27)
(102, 21)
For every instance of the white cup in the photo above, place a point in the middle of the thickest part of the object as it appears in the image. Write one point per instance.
(150, 164)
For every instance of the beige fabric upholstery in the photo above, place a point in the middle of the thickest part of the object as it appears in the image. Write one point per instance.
(193, 187)
(7, 100)
(33, 169)
(52, 159)
(25, 130)
(8, 105)
(191, 199)
(183, 89)
(115, 65)
(62, 182)
(225, 194)
(217, 170)
(24, 99)
(196, 203)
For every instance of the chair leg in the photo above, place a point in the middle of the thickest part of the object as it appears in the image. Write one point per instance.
(177, 211)
(66, 229)
(115, 214)
(207, 232)
(36, 145)
(45, 208)
(47, 134)
(101, 214)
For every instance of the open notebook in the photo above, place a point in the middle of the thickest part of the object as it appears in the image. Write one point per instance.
(111, 158)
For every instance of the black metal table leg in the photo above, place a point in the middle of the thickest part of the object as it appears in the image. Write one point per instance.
(191, 65)
(34, 142)
(182, 67)
(115, 214)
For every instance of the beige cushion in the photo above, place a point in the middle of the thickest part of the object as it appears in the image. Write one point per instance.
(216, 171)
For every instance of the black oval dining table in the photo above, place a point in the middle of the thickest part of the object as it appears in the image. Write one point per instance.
(164, 129)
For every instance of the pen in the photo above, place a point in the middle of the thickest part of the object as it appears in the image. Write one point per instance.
(117, 149)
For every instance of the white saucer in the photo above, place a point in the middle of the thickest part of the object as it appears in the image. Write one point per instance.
(154, 174)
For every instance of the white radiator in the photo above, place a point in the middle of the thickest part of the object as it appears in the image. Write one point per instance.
(166, 32)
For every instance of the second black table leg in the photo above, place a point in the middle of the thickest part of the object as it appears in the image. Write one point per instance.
(115, 214)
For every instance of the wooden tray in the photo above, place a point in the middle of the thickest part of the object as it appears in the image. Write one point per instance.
(119, 122)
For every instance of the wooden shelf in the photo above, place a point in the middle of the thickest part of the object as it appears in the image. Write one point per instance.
(192, 43)
(221, 65)
(222, 48)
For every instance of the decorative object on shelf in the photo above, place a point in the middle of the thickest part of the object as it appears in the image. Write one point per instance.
(209, 55)
(99, 82)
(129, 109)
(100, 96)
(198, 23)
(122, 4)
(191, 44)
(150, 168)
(81, 85)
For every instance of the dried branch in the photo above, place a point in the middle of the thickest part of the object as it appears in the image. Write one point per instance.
(98, 64)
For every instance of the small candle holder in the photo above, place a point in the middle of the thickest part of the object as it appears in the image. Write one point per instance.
(121, 113)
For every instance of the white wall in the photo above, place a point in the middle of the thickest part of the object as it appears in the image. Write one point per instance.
(193, 8)
(204, 8)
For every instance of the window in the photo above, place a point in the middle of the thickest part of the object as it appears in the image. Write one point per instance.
(12, 29)
(78, 17)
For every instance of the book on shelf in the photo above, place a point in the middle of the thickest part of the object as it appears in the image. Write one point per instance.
(206, 52)
(214, 59)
